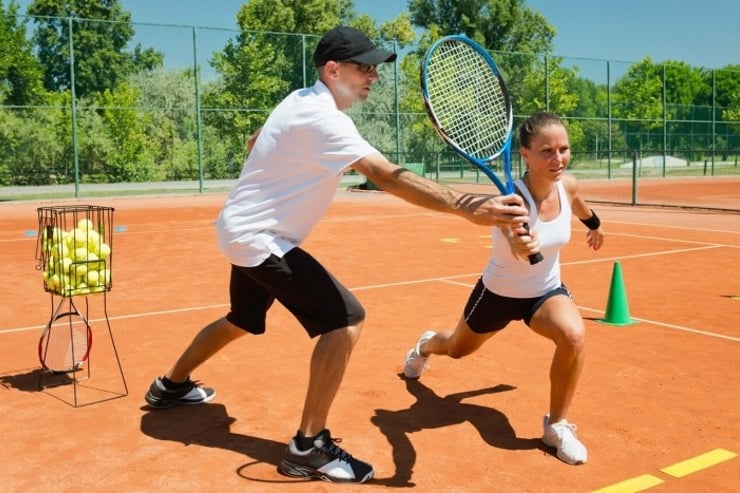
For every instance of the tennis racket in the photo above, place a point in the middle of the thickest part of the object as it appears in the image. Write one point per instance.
(64, 348)
(468, 103)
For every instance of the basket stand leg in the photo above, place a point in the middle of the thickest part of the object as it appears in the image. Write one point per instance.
(113, 345)
(72, 312)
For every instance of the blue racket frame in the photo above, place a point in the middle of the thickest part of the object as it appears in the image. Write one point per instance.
(506, 187)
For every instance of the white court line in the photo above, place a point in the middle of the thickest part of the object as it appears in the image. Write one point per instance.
(640, 255)
(668, 226)
(448, 280)
(652, 322)
(124, 317)
(672, 326)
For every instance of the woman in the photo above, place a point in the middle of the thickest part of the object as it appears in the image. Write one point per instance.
(512, 289)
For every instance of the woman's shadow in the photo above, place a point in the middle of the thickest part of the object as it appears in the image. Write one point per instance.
(432, 411)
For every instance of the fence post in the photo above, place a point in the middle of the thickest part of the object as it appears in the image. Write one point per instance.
(634, 178)
(73, 95)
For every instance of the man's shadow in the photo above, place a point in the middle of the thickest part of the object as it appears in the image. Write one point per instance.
(210, 426)
(432, 411)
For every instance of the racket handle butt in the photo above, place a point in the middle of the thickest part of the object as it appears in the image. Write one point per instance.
(536, 258)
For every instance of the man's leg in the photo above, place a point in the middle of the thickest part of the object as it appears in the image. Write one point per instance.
(328, 364)
(176, 387)
(210, 340)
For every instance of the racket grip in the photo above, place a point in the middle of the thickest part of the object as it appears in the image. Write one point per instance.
(535, 258)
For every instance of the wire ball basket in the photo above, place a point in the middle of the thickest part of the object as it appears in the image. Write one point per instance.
(74, 250)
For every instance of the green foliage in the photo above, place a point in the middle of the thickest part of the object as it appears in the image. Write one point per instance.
(499, 25)
(727, 83)
(137, 121)
(32, 152)
(20, 72)
(100, 31)
(134, 159)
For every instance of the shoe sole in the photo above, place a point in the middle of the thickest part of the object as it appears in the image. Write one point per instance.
(414, 376)
(293, 470)
(163, 403)
(560, 456)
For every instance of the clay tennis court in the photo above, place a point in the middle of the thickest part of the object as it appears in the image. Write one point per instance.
(653, 394)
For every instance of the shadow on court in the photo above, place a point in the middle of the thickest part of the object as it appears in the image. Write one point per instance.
(209, 426)
(431, 411)
(28, 381)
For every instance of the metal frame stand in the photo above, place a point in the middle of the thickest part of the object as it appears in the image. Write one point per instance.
(74, 251)
(67, 309)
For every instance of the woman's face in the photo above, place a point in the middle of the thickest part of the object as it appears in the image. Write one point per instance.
(549, 152)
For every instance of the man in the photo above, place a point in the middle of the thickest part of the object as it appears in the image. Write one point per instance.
(292, 172)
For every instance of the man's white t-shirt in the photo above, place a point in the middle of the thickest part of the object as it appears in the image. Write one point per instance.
(289, 178)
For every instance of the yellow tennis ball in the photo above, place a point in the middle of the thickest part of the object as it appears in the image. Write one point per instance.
(80, 253)
(65, 264)
(93, 240)
(93, 278)
(79, 237)
(68, 238)
(59, 250)
(85, 224)
(104, 251)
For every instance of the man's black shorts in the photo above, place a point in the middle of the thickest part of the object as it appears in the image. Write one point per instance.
(301, 284)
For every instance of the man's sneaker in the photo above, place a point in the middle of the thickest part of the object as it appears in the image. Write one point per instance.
(188, 392)
(562, 436)
(415, 363)
(325, 461)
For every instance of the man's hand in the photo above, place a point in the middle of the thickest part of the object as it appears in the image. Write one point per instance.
(504, 211)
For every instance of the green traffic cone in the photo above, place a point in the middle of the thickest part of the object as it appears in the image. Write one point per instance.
(617, 307)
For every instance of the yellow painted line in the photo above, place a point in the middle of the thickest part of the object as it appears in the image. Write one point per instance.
(698, 463)
(451, 240)
(633, 485)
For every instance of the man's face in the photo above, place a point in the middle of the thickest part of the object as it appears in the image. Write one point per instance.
(353, 82)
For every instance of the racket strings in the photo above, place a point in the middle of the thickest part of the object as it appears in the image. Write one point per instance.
(65, 351)
(468, 100)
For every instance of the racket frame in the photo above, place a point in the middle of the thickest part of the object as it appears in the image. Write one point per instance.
(79, 354)
(482, 163)
(506, 187)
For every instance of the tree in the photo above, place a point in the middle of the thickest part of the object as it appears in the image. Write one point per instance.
(515, 35)
(100, 31)
(266, 60)
(133, 160)
(20, 72)
(499, 25)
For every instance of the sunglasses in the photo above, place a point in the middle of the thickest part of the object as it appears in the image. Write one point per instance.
(362, 67)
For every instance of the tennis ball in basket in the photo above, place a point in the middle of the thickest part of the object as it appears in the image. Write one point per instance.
(79, 237)
(93, 278)
(104, 251)
(81, 253)
(85, 225)
(59, 250)
(65, 265)
(53, 282)
(93, 240)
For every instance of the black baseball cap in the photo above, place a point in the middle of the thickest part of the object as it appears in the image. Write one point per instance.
(347, 43)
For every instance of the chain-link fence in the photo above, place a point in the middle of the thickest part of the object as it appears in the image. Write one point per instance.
(182, 124)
